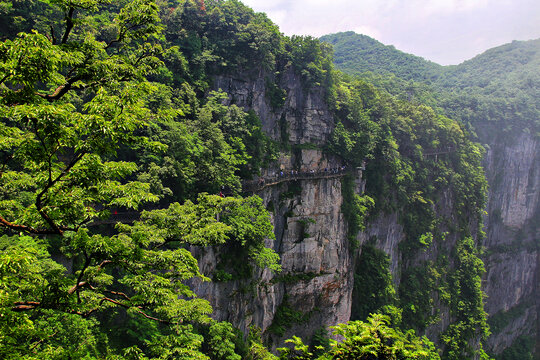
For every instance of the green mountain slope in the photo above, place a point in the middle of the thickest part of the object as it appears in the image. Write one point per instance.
(502, 63)
(497, 96)
(108, 109)
(356, 54)
(501, 85)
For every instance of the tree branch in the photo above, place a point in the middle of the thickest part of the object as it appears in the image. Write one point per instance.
(25, 306)
(45, 148)
(112, 42)
(69, 24)
(51, 183)
(155, 318)
(58, 93)
(53, 37)
(79, 278)
(42, 340)
(118, 294)
(103, 264)
(136, 310)
(30, 305)
(62, 89)
(24, 228)
(81, 283)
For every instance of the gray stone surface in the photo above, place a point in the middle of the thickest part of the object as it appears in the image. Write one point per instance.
(513, 171)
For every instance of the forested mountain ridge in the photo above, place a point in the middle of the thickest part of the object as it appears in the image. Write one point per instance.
(496, 96)
(493, 86)
(369, 208)
(357, 54)
(494, 65)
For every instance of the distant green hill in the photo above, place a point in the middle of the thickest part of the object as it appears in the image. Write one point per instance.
(504, 63)
(500, 86)
(356, 54)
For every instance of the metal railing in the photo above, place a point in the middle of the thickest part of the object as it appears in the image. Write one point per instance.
(292, 175)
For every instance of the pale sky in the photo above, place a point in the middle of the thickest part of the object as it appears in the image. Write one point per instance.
(444, 31)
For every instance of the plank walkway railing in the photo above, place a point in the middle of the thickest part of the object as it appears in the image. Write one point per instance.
(440, 152)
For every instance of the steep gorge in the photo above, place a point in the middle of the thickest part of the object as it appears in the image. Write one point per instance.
(319, 268)
(385, 214)
(311, 234)
(511, 244)
(319, 257)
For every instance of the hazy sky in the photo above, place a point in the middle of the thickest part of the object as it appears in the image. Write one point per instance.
(444, 31)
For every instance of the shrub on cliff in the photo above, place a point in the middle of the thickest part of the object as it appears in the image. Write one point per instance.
(373, 339)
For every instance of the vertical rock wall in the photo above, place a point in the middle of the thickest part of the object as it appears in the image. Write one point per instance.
(513, 170)
(317, 260)
(304, 112)
(316, 281)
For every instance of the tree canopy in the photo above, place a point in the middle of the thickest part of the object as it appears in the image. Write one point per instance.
(74, 103)
(495, 90)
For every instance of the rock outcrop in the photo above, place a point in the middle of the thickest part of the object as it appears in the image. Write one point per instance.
(316, 281)
(303, 118)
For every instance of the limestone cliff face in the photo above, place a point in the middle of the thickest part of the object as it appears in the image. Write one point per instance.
(304, 112)
(389, 234)
(316, 281)
(513, 172)
(318, 262)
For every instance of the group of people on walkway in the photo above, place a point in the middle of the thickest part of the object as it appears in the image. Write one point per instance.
(293, 174)
(311, 172)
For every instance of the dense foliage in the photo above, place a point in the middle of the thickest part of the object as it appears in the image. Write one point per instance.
(494, 95)
(373, 289)
(356, 54)
(415, 157)
(369, 340)
(83, 133)
(108, 118)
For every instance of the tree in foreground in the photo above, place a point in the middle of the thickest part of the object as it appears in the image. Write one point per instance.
(68, 101)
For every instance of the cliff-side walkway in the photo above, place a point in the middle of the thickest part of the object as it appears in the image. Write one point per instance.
(248, 186)
(264, 182)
